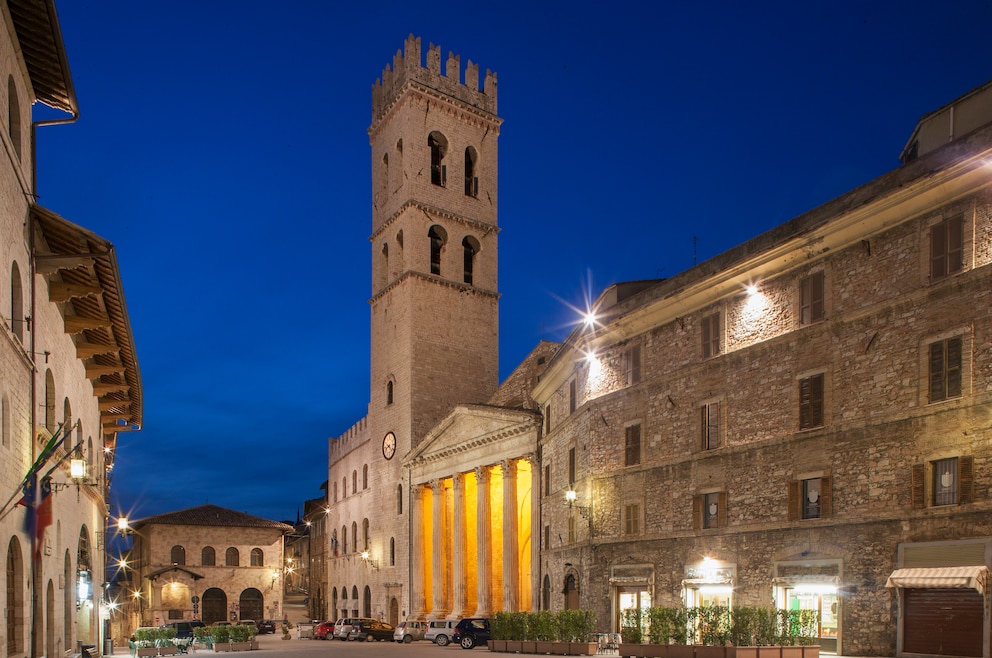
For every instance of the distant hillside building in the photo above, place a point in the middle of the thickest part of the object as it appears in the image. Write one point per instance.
(207, 563)
(800, 422)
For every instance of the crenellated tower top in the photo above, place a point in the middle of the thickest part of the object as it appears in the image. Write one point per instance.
(408, 66)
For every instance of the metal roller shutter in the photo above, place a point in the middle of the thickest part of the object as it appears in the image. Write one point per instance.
(943, 622)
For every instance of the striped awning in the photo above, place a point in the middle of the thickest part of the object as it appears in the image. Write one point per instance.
(941, 577)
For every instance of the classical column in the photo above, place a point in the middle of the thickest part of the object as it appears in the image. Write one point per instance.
(511, 567)
(418, 600)
(440, 560)
(458, 573)
(484, 536)
(536, 533)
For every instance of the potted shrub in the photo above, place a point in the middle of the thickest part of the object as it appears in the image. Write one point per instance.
(631, 633)
(499, 631)
(580, 626)
(202, 636)
(242, 637)
(222, 637)
(543, 625)
(285, 631)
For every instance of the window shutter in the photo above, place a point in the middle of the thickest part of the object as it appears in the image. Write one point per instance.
(954, 367)
(966, 479)
(955, 244)
(936, 371)
(918, 486)
(795, 511)
(826, 497)
(705, 333)
(635, 366)
(938, 249)
(697, 512)
(721, 509)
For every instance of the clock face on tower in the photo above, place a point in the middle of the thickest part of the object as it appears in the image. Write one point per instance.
(389, 445)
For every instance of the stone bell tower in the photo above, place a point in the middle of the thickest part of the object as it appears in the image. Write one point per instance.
(434, 242)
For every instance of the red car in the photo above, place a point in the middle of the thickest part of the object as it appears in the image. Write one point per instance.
(323, 630)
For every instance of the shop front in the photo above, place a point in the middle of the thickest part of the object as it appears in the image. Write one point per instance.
(812, 586)
(709, 583)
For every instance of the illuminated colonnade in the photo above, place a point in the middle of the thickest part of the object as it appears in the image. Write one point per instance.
(471, 546)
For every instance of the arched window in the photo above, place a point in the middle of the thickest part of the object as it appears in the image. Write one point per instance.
(365, 477)
(15, 598)
(208, 557)
(178, 555)
(66, 413)
(256, 557)
(367, 602)
(354, 537)
(354, 482)
(389, 392)
(384, 178)
(354, 594)
(232, 558)
(437, 237)
(399, 499)
(471, 172)
(334, 542)
(344, 487)
(13, 116)
(49, 401)
(384, 275)
(546, 593)
(5, 420)
(439, 148)
(344, 539)
(335, 492)
(392, 552)
(470, 247)
(16, 303)
(365, 534)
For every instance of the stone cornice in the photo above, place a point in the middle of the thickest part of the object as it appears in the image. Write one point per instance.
(433, 278)
(429, 210)
(412, 88)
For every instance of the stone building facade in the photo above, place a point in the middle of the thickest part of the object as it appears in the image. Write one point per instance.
(208, 563)
(69, 379)
(800, 422)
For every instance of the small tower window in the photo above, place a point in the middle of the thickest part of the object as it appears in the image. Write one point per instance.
(439, 148)
(471, 172)
(389, 392)
(470, 247)
(437, 237)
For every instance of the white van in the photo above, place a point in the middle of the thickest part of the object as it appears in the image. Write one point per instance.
(439, 631)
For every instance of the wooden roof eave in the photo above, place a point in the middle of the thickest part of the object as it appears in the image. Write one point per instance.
(91, 288)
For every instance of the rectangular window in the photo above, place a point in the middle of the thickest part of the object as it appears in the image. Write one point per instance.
(571, 530)
(947, 247)
(632, 365)
(811, 498)
(547, 480)
(632, 519)
(811, 402)
(811, 298)
(710, 423)
(571, 397)
(945, 369)
(711, 510)
(547, 537)
(945, 481)
(547, 419)
(571, 466)
(711, 335)
(632, 446)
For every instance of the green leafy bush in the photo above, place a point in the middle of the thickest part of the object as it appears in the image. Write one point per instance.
(221, 634)
(631, 626)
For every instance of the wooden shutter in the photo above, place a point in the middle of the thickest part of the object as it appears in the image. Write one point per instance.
(966, 479)
(953, 367)
(795, 509)
(826, 497)
(697, 512)
(919, 486)
(721, 509)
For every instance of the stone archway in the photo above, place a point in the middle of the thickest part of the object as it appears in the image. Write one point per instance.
(214, 605)
(252, 604)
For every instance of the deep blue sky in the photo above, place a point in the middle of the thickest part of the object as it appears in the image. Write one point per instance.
(222, 147)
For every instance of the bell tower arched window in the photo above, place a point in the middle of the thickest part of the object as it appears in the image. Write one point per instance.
(439, 148)
(437, 237)
(471, 172)
(470, 247)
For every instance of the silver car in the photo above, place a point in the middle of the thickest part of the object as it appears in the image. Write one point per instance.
(410, 630)
(439, 631)
(343, 626)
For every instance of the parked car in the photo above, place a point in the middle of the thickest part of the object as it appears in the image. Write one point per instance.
(324, 631)
(221, 623)
(439, 631)
(366, 631)
(266, 626)
(410, 630)
(184, 629)
(471, 631)
(343, 626)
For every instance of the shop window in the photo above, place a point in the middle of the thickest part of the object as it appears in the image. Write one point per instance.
(709, 423)
(945, 369)
(946, 247)
(710, 335)
(632, 445)
(632, 365)
(811, 298)
(811, 402)
(948, 481)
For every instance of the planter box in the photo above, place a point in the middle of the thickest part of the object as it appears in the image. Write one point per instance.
(168, 651)
(497, 645)
(513, 646)
(529, 646)
(559, 648)
(681, 651)
(656, 650)
(630, 650)
(544, 647)
(143, 652)
(708, 651)
(242, 646)
(582, 648)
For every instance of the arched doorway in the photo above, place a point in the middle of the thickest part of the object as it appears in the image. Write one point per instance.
(50, 648)
(252, 604)
(214, 605)
(394, 612)
(15, 598)
(546, 593)
(571, 593)
(367, 602)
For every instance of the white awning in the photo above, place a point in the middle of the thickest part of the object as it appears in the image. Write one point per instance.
(941, 577)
